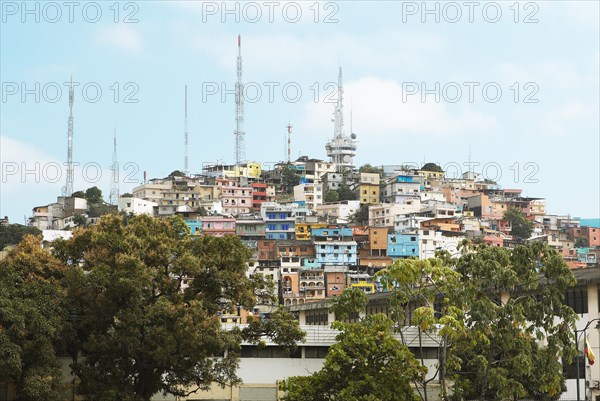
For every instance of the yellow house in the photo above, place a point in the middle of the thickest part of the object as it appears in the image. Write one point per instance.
(303, 230)
(250, 170)
(368, 188)
(431, 175)
(368, 288)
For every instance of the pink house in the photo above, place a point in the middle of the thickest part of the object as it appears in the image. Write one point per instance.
(218, 226)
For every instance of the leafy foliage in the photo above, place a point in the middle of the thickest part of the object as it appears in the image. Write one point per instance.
(176, 173)
(521, 228)
(496, 357)
(361, 216)
(289, 179)
(12, 234)
(432, 167)
(582, 242)
(367, 168)
(32, 318)
(350, 303)
(144, 332)
(94, 195)
(489, 344)
(331, 196)
(365, 364)
(79, 220)
(345, 193)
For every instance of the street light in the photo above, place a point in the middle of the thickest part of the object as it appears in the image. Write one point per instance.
(577, 349)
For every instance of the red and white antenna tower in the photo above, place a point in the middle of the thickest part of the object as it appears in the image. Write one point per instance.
(289, 143)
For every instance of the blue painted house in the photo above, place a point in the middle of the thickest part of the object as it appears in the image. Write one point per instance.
(195, 226)
(280, 224)
(336, 252)
(332, 233)
(403, 245)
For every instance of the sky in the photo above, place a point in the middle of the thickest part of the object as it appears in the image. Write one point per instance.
(511, 87)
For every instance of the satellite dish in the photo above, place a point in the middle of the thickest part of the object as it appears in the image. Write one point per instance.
(353, 136)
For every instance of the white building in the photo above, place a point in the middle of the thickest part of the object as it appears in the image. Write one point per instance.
(338, 212)
(137, 206)
(431, 241)
(309, 194)
(384, 215)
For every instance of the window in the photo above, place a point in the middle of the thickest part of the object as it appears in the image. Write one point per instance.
(285, 226)
(570, 370)
(282, 215)
(272, 226)
(271, 215)
(315, 352)
(577, 299)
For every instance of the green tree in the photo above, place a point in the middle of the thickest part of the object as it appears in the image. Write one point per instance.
(12, 234)
(79, 220)
(202, 211)
(521, 228)
(498, 356)
(331, 196)
(289, 179)
(361, 216)
(582, 242)
(365, 364)
(349, 304)
(141, 332)
(94, 195)
(418, 299)
(78, 194)
(127, 195)
(345, 193)
(367, 168)
(431, 167)
(176, 173)
(32, 318)
(488, 343)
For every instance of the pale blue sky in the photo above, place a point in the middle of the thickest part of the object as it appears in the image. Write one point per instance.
(384, 47)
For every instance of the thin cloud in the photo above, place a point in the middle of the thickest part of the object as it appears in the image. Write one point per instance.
(121, 37)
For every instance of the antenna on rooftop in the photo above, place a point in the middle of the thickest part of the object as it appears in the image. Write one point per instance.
(68, 189)
(185, 134)
(114, 182)
(289, 143)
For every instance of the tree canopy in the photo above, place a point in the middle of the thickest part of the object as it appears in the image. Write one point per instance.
(331, 196)
(135, 302)
(432, 167)
(365, 364)
(146, 297)
(32, 317)
(12, 234)
(361, 216)
(94, 195)
(489, 344)
(582, 242)
(289, 178)
(345, 193)
(521, 228)
(367, 168)
(176, 173)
